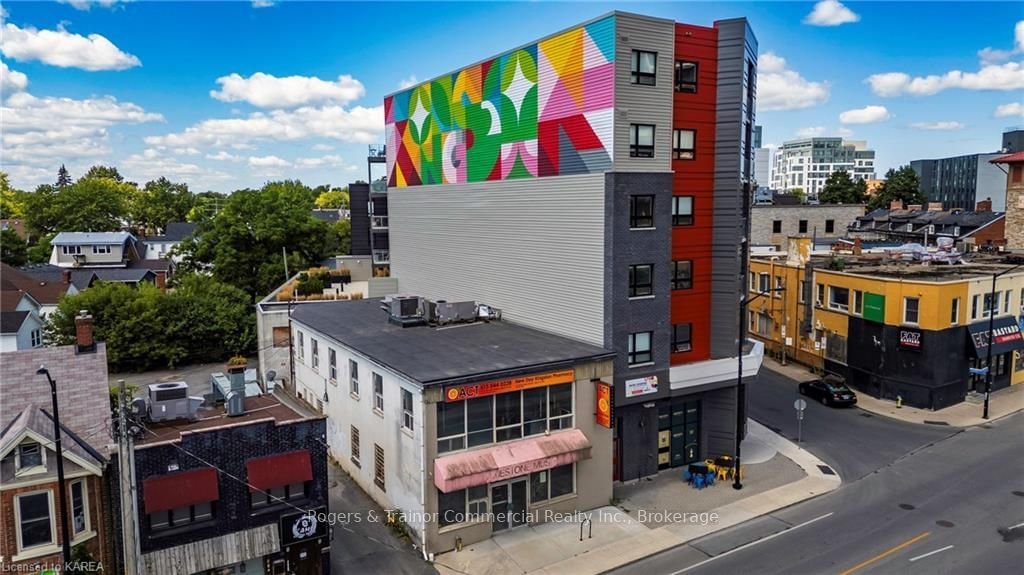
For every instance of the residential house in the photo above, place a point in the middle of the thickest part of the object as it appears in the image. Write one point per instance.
(93, 249)
(21, 326)
(45, 287)
(969, 230)
(159, 247)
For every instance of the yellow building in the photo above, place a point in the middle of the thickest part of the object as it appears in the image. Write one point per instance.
(891, 328)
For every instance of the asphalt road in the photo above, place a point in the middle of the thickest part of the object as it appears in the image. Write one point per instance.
(953, 507)
(852, 441)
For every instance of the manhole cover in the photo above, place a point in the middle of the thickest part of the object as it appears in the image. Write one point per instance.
(826, 470)
(944, 523)
(930, 422)
(906, 506)
(1018, 493)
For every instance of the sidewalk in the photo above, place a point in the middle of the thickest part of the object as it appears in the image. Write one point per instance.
(1004, 402)
(619, 538)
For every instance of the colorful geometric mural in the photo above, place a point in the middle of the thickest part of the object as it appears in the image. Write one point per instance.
(542, 110)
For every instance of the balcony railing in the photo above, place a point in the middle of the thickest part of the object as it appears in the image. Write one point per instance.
(379, 222)
(381, 257)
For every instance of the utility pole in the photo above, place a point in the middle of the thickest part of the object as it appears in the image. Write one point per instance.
(284, 254)
(62, 487)
(126, 474)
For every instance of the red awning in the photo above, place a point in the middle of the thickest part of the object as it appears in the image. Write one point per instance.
(279, 470)
(180, 489)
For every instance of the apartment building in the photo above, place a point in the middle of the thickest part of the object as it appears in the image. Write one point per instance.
(595, 184)
(771, 225)
(808, 162)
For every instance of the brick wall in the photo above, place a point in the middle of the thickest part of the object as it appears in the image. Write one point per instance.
(1015, 210)
(82, 388)
(762, 217)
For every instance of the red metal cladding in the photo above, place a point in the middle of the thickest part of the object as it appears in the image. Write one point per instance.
(695, 178)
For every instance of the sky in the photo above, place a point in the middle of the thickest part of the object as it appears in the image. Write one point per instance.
(227, 95)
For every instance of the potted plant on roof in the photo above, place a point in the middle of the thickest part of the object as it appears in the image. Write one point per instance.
(237, 364)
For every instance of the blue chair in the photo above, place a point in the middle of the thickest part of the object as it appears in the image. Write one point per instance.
(698, 481)
(709, 479)
(686, 475)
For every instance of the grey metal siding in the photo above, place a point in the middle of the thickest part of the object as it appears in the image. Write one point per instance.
(736, 47)
(534, 248)
(359, 204)
(635, 104)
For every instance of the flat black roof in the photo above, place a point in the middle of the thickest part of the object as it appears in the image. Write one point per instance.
(461, 353)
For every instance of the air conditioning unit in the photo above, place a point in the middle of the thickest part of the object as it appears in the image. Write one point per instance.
(169, 401)
(403, 307)
(455, 312)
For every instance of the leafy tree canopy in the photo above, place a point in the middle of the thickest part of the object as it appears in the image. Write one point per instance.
(900, 184)
(333, 199)
(12, 201)
(103, 172)
(88, 205)
(840, 188)
(13, 250)
(159, 202)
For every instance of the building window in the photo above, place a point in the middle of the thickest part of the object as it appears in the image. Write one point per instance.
(79, 508)
(378, 466)
(682, 210)
(282, 337)
(101, 249)
(302, 347)
(974, 307)
(802, 295)
(35, 521)
(803, 226)
(645, 68)
(838, 298)
(640, 348)
(776, 226)
(819, 296)
(641, 280)
(682, 337)
(641, 211)
(353, 378)
(315, 346)
(910, 309)
(858, 302)
(682, 274)
(354, 444)
(990, 304)
(37, 337)
(777, 290)
(378, 392)
(686, 76)
(762, 283)
(180, 516)
(71, 250)
(332, 365)
(830, 226)
(684, 144)
(1006, 301)
(462, 506)
(277, 495)
(641, 141)
(407, 409)
(954, 312)
(29, 455)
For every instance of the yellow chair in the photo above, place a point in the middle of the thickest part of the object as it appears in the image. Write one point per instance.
(722, 473)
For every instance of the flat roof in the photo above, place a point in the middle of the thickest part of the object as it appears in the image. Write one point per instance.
(460, 353)
(256, 408)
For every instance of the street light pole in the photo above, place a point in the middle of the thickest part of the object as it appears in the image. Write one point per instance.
(63, 490)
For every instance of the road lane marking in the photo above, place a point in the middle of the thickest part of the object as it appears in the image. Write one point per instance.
(930, 553)
(1016, 526)
(886, 553)
(752, 543)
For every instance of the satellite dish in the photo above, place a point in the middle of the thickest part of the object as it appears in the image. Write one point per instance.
(271, 375)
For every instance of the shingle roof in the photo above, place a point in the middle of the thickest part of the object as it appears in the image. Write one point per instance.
(10, 321)
(1010, 159)
(101, 238)
(174, 232)
(45, 283)
(327, 215)
(39, 421)
(468, 352)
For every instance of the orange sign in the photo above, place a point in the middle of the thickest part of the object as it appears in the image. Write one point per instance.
(469, 391)
(604, 405)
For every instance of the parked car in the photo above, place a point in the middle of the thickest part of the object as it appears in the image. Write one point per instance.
(829, 391)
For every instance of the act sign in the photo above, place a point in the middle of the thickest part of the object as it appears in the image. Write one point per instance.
(800, 404)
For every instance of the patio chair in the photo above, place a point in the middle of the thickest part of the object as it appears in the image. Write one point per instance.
(698, 481)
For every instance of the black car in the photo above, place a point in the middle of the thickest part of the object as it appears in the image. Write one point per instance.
(829, 392)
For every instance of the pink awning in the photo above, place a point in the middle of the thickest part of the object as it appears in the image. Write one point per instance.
(507, 460)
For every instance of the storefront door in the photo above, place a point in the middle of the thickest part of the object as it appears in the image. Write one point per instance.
(508, 503)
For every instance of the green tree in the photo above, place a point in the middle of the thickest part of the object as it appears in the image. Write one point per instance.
(333, 199)
(88, 205)
(13, 250)
(900, 184)
(12, 201)
(160, 202)
(342, 231)
(63, 177)
(841, 189)
(104, 172)
(40, 252)
(799, 193)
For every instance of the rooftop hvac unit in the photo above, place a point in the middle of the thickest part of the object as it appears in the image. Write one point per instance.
(455, 312)
(405, 307)
(168, 401)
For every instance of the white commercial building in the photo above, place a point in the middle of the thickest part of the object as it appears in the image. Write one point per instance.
(808, 162)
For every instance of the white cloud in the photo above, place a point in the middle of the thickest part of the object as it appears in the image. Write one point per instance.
(356, 125)
(831, 13)
(87, 4)
(223, 156)
(1009, 110)
(152, 163)
(819, 131)
(865, 115)
(64, 49)
(267, 91)
(993, 56)
(779, 88)
(268, 162)
(844, 132)
(11, 80)
(1008, 76)
(186, 151)
(262, 3)
(938, 125)
(323, 148)
(408, 82)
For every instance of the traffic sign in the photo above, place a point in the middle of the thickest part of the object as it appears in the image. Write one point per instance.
(800, 404)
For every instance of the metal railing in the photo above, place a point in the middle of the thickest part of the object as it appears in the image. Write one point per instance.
(379, 222)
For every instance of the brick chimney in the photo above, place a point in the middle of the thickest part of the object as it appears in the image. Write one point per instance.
(984, 205)
(83, 332)
(934, 206)
(66, 275)
(161, 280)
(896, 205)
(915, 207)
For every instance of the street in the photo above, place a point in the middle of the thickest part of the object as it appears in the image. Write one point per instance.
(940, 501)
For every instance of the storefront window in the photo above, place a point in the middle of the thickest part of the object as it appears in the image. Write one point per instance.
(503, 417)
(462, 506)
(535, 411)
(481, 421)
(539, 485)
(562, 480)
(508, 416)
(451, 427)
(561, 406)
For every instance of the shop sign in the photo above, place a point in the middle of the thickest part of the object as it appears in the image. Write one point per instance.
(910, 339)
(874, 307)
(642, 386)
(468, 391)
(1002, 334)
(304, 525)
(604, 405)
